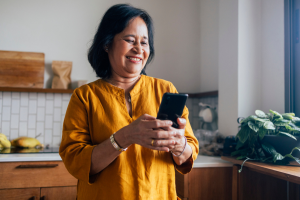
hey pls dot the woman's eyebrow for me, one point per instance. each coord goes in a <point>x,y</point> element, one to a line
<point>130,35</point>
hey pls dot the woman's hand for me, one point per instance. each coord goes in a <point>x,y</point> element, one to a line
<point>179,137</point>
<point>149,132</point>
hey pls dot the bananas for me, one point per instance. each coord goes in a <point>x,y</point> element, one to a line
<point>4,142</point>
<point>26,142</point>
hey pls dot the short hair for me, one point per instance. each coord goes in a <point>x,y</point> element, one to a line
<point>114,21</point>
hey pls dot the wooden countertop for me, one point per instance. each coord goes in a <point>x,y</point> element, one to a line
<point>288,173</point>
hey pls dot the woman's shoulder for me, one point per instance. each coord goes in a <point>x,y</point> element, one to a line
<point>87,88</point>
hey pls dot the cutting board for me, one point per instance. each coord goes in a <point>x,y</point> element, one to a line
<point>22,69</point>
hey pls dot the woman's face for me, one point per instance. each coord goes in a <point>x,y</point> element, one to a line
<point>130,50</point>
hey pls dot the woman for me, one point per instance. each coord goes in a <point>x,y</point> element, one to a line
<point>112,142</point>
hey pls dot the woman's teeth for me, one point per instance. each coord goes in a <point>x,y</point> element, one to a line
<point>135,59</point>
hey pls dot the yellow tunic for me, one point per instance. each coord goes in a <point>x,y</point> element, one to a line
<point>95,112</point>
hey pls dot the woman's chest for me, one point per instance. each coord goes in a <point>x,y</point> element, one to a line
<point>109,114</point>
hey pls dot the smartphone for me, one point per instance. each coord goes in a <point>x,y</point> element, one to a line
<point>171,107</point>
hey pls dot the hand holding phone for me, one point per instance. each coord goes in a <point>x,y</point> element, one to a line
<point>171,107</point>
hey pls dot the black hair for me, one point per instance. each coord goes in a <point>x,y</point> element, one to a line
<point>114,21</point>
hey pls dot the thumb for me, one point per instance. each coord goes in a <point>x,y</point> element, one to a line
<point>181,122</point>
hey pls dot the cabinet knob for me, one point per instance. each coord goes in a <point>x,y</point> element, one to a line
<point>38,166</point>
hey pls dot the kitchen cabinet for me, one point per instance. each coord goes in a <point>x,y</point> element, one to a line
<point>36,180</point>
<point>213,183</point>
<point>25,193</point>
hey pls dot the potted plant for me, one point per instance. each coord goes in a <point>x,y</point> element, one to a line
<point>271,137</point>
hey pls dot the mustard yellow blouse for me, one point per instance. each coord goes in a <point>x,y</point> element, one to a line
<point>95,112</point>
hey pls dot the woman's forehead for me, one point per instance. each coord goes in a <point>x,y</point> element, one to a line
<point>136,27</point>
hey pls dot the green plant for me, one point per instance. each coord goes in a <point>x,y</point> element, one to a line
<point>254,128</point>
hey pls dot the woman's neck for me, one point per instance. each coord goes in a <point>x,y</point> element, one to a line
<point>126,83</point>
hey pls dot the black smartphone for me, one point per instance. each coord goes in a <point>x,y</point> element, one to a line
<point>171,107</point>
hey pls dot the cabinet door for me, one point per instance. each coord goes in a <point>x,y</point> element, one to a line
<point>20,194</point>
<point>59,193</point>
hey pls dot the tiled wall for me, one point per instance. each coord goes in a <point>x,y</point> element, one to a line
<point>194,109</point>
<point>30,114</point>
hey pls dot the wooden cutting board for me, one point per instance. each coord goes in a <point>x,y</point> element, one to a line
<point>22,69</point>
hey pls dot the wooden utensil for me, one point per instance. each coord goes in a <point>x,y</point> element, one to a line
<point>22,69</point>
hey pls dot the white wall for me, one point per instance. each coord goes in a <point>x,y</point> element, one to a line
<point>209,45</point>
<point>273,55</point>
<point>251,59</point>
<point>228,66</point>
<point>63,30</point>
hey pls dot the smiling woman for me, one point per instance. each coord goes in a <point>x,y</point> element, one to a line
<point>112,142</point>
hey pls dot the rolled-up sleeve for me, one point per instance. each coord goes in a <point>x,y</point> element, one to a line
<point>191,140</point>
<point>76,147</point>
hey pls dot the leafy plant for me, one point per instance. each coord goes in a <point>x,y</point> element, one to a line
<point>254,128</point>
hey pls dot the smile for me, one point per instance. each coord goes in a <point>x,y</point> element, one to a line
<point>133,58</point>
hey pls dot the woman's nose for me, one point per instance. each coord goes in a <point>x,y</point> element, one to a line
<point>138,49</point>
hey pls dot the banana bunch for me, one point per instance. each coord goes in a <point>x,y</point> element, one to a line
<point>4,142</point>
<point>26,142</point>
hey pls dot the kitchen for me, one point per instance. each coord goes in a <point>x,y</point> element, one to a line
<point>207,34</point>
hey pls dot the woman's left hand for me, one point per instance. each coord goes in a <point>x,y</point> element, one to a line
<point>179,137</point>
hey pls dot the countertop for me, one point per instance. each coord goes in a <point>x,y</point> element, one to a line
<point>201,161</point>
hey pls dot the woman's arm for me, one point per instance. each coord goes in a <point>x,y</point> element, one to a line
<point>142,131</point>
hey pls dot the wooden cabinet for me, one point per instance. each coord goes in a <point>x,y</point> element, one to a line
<point>213,183</point>
<point>36,180</point>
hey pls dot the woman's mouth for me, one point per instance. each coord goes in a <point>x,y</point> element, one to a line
<point>133,59</point>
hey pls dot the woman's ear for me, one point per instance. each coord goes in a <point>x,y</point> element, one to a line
<point>106,48</point>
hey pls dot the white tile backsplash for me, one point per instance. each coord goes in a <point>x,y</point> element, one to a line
<point>32,121</point>
<point>57,114</point>
<point>6,113</point>
<point>15,106</point>
<point>15,95</point>
<point>24,98</point>
<point>32,106</point>
<point>41,99</point>
<point>41,114</point>
<point>30,114</point>
<point>56,129</point>
<point>14,121</point>
<point>6,98</point>
<point>49,96</point>
<point>23,113</point>
<point>5,128</point>
<point>23,129</point>
<point>31,133</point>
<point>49,106</point>
<point>49,121</point>
<point>32,95</point>
<point>57,100</point>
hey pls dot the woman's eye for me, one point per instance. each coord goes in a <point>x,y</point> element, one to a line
<point>144,43</point>
<point>130,41</point>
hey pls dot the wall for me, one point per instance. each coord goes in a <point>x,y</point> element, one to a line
<point>63,30</point>
<point>251,59</point>
<point>32,114</point>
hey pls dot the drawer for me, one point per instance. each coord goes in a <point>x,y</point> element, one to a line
<point>35,174</point>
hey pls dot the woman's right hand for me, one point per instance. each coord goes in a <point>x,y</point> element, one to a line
<point>148,132</point>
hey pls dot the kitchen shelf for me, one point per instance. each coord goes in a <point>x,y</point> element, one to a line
<point>39,90</point>
<point>204,94</point>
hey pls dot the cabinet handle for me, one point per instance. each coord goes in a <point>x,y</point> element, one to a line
<point>32,198</point>
<point>38,166</point>
<point>43,198</point>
